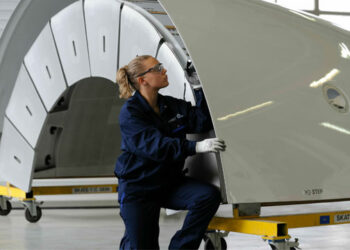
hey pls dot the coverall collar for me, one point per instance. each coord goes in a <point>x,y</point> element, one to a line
<point>161,102</point>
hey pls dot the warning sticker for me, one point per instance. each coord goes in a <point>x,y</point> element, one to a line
<point>84,190</point>
<point>313,192</point>
<point>340,218</point>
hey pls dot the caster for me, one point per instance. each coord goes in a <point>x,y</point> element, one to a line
<point>208,245</point>
<point>284,244</point>
<point>275,248</point>
<point>30,217</point>
<point>6,211</point>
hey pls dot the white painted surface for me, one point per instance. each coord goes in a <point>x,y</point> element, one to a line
<point>137,36</point>
<point>25,109</point>
<point>178,85</point>
<point>102,25</point>
<point>44,68</point>
<point>16,158</point>
<point>69,33</point>
<point>256,63</point>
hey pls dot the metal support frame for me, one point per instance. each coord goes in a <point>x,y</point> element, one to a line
<point>274,229</point>
<point>13,192</point>
<point>29,201</point>
<point>247,209</point>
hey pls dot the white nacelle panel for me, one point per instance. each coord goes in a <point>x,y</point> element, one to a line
<point>137,36</point>
<point>102,25</point>
<point>178,85</point>
<point>16,158</point>
<point>44,68</point>
<point>68,28</point>
<point>266,72</point>
<point>25,109</point>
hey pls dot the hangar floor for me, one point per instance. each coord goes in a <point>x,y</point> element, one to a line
<point>102,228</point>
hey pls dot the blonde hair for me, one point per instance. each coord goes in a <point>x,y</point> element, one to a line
<point>127,76</point>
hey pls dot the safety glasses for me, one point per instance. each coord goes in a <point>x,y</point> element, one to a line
<point>156,68</point>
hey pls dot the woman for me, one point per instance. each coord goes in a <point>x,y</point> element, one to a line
<point>154,146</point>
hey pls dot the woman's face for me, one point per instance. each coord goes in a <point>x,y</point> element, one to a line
<point>154,78</point>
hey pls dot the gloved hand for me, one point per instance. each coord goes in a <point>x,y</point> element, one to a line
<point>210,145</point>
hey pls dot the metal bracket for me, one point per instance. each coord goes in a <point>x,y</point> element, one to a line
<point>248,209</point>
<point>32,206</point>
<point>284,244</point>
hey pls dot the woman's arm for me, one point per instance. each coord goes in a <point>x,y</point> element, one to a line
<point>142,138</point>
<point>199,120</point>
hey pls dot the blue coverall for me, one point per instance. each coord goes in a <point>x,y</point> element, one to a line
<point>150,171</point>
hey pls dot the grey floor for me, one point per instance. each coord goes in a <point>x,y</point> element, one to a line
<point>102,228</point>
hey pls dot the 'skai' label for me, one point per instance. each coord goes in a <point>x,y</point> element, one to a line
<point>340,218</point>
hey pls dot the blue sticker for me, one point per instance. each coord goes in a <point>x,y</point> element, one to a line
<point>324,219</point>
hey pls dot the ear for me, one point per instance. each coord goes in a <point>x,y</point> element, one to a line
<point>141,81</point>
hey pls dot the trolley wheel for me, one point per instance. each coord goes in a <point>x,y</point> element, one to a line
<point>208,245</point>
<point>5,212</point>
<point>31,218</point>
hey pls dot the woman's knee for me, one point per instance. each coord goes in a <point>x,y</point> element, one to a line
<point>211,196</point>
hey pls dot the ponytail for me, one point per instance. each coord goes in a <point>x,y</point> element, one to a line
<point>125,86</point>
<point>127,76</point>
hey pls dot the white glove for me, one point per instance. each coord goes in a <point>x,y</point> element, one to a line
<point>210,145</point>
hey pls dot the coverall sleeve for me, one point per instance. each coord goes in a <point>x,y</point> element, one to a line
<point>199,120</point>
<point>144,139</point>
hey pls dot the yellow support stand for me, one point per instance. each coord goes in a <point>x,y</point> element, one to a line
<point>11,191</point>
<point>274,229</point>
<point>250,226</point>
<point>32,207</point>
